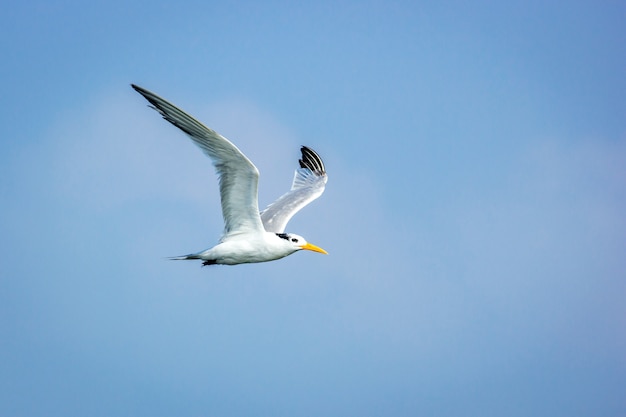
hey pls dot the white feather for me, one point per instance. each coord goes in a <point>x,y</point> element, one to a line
<point>248,236</point>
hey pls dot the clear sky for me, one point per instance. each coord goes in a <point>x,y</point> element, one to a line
<point>474,213</point>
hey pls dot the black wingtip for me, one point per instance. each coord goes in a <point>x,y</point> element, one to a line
<point>153,99</point>
<point>311,160</point>
<point>141,90</point>
<point>145,93</point>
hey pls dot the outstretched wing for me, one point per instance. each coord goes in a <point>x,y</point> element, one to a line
<point>308,184</point>
<point>238,177</point>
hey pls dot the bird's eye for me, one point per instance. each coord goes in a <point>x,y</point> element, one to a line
<point>294,240</point>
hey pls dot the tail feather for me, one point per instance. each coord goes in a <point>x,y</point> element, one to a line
<point>193,256</point>
<point>183,257</point>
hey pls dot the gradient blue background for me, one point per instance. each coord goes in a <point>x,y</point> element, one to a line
<point>474,214</point>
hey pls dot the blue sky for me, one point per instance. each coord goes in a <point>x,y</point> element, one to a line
<point>474,212</point>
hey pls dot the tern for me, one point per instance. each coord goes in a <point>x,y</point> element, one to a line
<point>249,236</point>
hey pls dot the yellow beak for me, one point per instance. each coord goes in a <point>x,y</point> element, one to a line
<point>314,248</point>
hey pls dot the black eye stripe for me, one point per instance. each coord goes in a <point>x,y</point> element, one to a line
<point>287,237</point>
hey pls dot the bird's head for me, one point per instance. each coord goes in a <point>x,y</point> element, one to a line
<point>299,243</point>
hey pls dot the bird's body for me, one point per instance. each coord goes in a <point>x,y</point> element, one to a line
<point>248,248</point>
<point>249,236</point>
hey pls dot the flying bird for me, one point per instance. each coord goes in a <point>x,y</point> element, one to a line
<point>249,235</point>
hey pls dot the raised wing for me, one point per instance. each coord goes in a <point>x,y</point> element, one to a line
<point>308,184</point>
<point>238,177</point>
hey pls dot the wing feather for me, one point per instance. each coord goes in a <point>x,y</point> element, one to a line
<point>308,184</point>
<point>238,177</point>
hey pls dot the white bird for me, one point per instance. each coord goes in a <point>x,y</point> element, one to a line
<point>249,236</point>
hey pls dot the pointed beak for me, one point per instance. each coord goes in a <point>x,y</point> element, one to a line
<point>314,248</point>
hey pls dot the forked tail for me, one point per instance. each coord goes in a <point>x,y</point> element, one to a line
<point>193,256</point>
<point>183,257</point>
